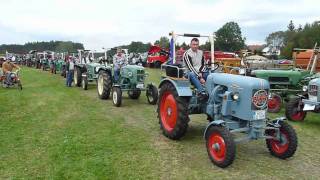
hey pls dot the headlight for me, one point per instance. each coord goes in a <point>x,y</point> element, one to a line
<point>305,88</point>
<point>129,74</point>
<point>97,69</point>
<point>235,96</point>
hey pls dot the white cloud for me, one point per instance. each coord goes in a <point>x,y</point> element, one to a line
<point>98,23</point>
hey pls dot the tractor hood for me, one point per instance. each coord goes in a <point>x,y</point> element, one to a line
<point>252,95</point>
<point>288,77</point>
<point>133,68</point>
<point>233,81</point>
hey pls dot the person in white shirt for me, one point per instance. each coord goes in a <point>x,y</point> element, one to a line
<point>119,61</point>
<point>194,61</point>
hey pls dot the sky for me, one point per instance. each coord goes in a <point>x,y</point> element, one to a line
<point>105,23</point>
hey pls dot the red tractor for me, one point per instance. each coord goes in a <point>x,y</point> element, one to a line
<point>157,56</point>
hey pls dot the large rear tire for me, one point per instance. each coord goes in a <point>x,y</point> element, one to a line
<point>294,110</point>
<point>172,112</point>
<point>220,146</point>
<point>287,145</point>
<point>104,85</point>
<point>157,64</point>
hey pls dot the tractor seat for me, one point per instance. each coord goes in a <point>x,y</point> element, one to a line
<point>174,71</point>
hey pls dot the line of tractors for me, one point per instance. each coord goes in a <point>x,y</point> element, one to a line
<point>239,97</point>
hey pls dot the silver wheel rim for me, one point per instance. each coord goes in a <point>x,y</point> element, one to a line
<point>114,97</point>
<point>83,84</point>
<point>100,85</point>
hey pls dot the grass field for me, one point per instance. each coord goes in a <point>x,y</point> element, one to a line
<point>49,131</point>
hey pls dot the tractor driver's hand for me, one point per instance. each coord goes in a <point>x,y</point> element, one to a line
<point>202,81</point>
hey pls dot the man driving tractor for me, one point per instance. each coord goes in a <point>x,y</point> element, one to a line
<point>119,60</point>
<point>7,68</point>
<point>194,61</point>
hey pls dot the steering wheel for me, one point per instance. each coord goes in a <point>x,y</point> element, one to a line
<point>215,66</point>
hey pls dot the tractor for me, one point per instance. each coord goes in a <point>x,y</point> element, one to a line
<point>131,79</point>
<point>287,82</point>
<point>90,68</point>
<point>309,101</point>
<point>236,104</point>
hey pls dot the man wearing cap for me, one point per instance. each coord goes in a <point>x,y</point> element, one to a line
<point>119,60</point>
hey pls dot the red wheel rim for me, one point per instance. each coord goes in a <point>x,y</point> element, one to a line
<point>217,147</point>
<point>298,116</point>
<point>274,102</point>
<point>282,145</point>
<point>168,111</point>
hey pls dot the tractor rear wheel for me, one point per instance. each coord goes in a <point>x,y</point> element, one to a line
<point>77,76</point>
<point>220,146</point>
<point>104,85</point>
<point>294,110</point>
<point>152,94</point>
<point>84,83</point>
<point>116,96</point>
<point>286,146</point>
<point>274,103</point>
<point>134,94</point>
<point>157,64</point>
<point>172,112</point>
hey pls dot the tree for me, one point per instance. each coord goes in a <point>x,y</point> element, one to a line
<point>163,42</point>
<point>229,38</point>
<point>304,37</point>
<point>291,26</point>
<point>276,38</point>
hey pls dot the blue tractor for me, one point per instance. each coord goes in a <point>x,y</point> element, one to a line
<point>235,105</point>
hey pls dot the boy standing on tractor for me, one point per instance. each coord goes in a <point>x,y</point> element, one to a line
<point>194,61</point>
<point>119,60</point>
<point>7,68</point>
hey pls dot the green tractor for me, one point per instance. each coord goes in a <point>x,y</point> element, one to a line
<point>285,83</point>
<point>308,101</point>
<point>88,68</point>
<point>131,79</point>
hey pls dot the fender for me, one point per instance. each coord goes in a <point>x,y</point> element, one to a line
<point>182,87</point>
<point>214,123</point>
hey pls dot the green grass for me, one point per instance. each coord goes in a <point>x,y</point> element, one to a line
<point>49,131</point>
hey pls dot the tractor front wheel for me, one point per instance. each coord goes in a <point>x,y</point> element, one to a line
<point>220,146</point>
<point>152,94</point>
<point>134,94</point>
<point>77,76</point>
<point>274,103</point>
<point>294,110</point>
<point>104,85</point>
<point>172,112</point>
<point>283,145</point>
<point>116,96</point>
<point>84,83</point>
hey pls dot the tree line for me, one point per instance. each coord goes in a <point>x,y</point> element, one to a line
<point>57,46</point>
<point>295,37</point>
